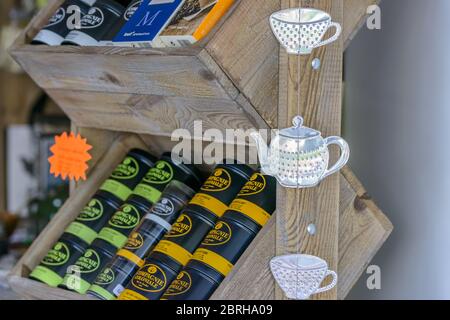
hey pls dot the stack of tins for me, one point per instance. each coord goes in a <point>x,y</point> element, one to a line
<point>224,245</point>
<point>114,235</point>
<point>82,232</point>
<point>175,250</point>
<point>118,272</point>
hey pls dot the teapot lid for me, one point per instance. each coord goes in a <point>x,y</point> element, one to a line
<point>298,131</point>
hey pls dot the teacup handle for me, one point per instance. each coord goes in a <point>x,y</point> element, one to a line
<point>331,285</point>
<point>345,155</point>
<point>333,38</point>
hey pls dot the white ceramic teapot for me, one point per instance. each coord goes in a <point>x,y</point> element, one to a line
<point>298,157</point>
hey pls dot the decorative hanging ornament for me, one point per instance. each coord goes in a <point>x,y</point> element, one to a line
<point>298,157</point>
<point>300,275</point>
<point>300,30</point>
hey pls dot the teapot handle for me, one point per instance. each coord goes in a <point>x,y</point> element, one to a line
<point>345,155</point>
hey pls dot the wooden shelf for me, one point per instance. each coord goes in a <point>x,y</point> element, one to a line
<point>229,80</point>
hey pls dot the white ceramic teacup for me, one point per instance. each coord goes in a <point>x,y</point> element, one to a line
<point>300,30</point>
<point>301,276</point>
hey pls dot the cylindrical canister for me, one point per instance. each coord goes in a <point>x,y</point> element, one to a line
<point>221,188</point>
<point>126,16</point>
<point>161,174</point>
<point>100,18</point>
<point>127,175</point>
<point>122,223</point>
<point>227,241</point>
<point>93,217</point>
<point>196,282</point>
<point>84,271</point>
<point>140,242</point>
<point>152,279</point>
<point>54,266</point>
<point>57,28</point>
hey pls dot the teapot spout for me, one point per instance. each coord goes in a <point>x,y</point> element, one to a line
<point>263,152</point>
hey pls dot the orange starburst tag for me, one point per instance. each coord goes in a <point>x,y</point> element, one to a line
<point>70,154</point>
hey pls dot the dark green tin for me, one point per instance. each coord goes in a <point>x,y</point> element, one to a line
<point>127,175</point>
<point>63,254</point>
<point>156,179</point>
<point>93,218</point>
<point>84,271</point>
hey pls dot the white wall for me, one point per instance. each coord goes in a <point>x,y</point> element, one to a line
<point>397,121</point>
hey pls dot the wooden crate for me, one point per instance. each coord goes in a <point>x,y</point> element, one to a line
<point>229,80</point>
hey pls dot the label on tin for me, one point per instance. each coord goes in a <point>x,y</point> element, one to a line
<point>127,217</point>
<point>116,188</point>
<point>47,276</point>
<point>128,169</point>
<point>57,17</point>
<point>164,207</point>
<point>220,235</point>
<point>181,227</point>
<point>255,185</point>
<point>93,211</point>
<point>93,19</point>
<point>131,257</point>
<point>209,202</point>
<point>128,294</point>
<point>173,250</point>
<point>89,262</point>
<point>220,180</point>
<point>58,255</point>
<point>102,292</point>
<point>214,260</point>
<point>81,231</point>
<point>251,210</point>
<point>150,278</point>
<point>113,237</point>
<point>132,9</point>
<point>105,277</point>
<point>180,285</point>
<point>135,241</point>
<point>161,173</point>
<point>147,192</point>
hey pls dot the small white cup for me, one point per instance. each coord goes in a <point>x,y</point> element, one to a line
<point>301,276</point>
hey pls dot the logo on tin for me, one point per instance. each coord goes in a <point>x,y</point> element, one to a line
<point>181,227</point>
<point>58,255</point>
<point>131,10</point>
<point>221,234</point>
<point>89,262</point>
<point>105,277</point>
<point>180,285</point>
<point>164,207</point>
<point>59,16</point>
<point>150,278</point>
<point>93,19</point>
<point>135,241</point>
<point>161,173</point>
<point>255,185</point>
<point>128,169</point>
<point>92,212</point>
<point>127,217</point>
<point>220,180</point>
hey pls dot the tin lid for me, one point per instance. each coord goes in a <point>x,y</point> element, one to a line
<point>201,213</point>
<point>234,165</point>
<point>205,271</point>
<point>104,247</point>
<point>88,2</point>
<point>111,201</point>
<point>196,181</point>
<point>242,221</point>
<point>161,258</point>
<point>112,5</point>
<point>143,156</point>
<point>78,243</point>
<point>179,190</point>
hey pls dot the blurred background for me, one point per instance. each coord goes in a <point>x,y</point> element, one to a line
<point>29,195</point>
<point>396,119</point>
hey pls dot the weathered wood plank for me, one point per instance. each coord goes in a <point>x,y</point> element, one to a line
<point>363,228</point>
<point>320,105</point>
<point>148,114</point>
<point>355,13</point>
